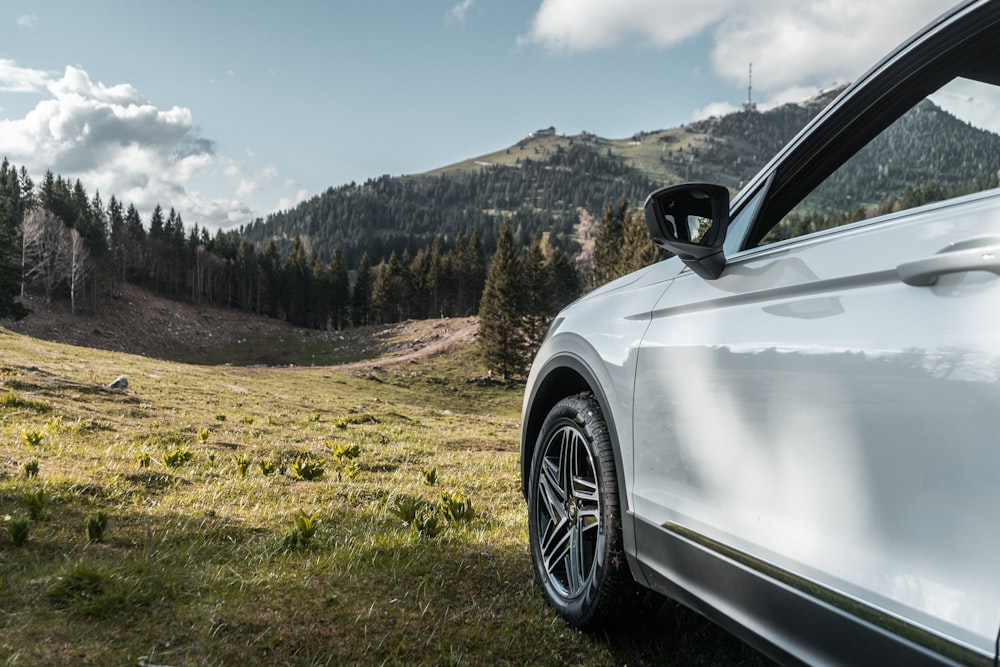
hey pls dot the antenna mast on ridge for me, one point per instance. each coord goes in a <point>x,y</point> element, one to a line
<point>750,105</point>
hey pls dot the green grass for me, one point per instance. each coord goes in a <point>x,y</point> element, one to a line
<point>206,560</point>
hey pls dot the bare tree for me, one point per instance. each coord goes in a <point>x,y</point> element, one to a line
<point>43,250</point>
<point>79,266</point>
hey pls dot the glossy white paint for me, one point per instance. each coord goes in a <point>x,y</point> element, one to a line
<point>812,410</point>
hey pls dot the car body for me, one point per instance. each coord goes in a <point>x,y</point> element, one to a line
<point>795,433</point>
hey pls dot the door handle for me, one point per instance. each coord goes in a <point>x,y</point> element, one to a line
<point>955,259</point>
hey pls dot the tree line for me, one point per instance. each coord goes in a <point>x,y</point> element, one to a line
<point>57,243</point>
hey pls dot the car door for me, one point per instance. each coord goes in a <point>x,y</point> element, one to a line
<point>830,408</point>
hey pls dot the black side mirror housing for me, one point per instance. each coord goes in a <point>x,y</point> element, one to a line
<point>690,220</point>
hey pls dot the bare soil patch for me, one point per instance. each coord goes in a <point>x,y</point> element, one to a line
<point>140,322</point>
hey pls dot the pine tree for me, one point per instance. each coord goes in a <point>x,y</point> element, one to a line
<point>538,295</point>
<point>501,340</point>
<point>361,295</point>
<point>11,217</point>
<point>608,245</point>
<point>298,280</point>
<point>340,290</point>
<point>638,249</point>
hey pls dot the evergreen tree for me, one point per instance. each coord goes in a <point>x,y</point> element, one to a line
<point>11,218</point>
<point>501,340</point>
<point>537,295</point>
<point>564,278</point>
<point>381,303</point>
<point>638,249</point>
<point>270,266</point>
<point>361,295</point>
<point>606,262</point>
<point>319,295</point>
<point>298,282</point>
<point>340,291</point>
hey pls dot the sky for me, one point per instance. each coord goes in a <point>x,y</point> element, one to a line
<point>228,111</point>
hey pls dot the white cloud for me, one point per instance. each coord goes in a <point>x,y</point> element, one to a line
<point>286,203</point>
<point>27,21</point>
<point>115,141</point>
<point>791,43</point>
<point>459,11</point>
<point>14,79</point>
<point>714,109</point>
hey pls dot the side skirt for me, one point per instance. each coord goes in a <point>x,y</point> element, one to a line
<point>789,618</point>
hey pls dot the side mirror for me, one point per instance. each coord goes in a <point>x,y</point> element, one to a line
<point>690,220</point>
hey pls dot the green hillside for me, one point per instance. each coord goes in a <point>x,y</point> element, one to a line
<point>543,182</point>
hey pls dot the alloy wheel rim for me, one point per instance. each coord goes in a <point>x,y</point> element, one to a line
<point>568,512</point>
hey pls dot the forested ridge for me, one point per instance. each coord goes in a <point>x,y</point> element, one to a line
<point>563,210</point>
<point>389,214</point>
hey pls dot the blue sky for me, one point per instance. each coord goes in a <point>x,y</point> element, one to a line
<point>228,111</point>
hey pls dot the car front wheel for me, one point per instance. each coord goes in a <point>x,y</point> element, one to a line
<point>574,518</point>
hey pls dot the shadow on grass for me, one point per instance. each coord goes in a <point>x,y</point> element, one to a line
<point>671,634</point>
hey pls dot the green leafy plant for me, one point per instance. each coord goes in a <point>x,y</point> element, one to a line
<point>430,476</point>
<point>242,462</point>
<point>456,508</point>
<point>407,508</point>
<point>350,470</point>
<point>36,503</point>
<point>54,424</point>
<point>266,467</point>
<point>177,458</point>
<point>248,419</point>
<point>203,435</point>
<point>31,469</point>
<point>427,526</point>
<point>344,451</point>
<point>306,525</point>
<point>96,524</point>
<point>32,438</point>
<point>18,530</point>
<point>307,469</point>
<point>144,460</point>
<point>343,422</point>
<point>220,417</point>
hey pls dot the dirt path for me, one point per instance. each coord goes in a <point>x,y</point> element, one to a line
<point>416,343</point>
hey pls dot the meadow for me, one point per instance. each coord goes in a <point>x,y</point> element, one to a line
<point>301,515</point>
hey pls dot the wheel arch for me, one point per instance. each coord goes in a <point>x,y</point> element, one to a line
<point>563,376</point>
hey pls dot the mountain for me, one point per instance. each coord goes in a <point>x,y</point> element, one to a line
<point>542,182</point>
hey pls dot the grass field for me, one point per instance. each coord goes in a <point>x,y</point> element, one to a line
<point>219,515</point>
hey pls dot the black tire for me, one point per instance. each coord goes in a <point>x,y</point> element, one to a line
<point>574,517</point>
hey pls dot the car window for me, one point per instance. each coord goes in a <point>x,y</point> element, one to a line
<point>946,145</point>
